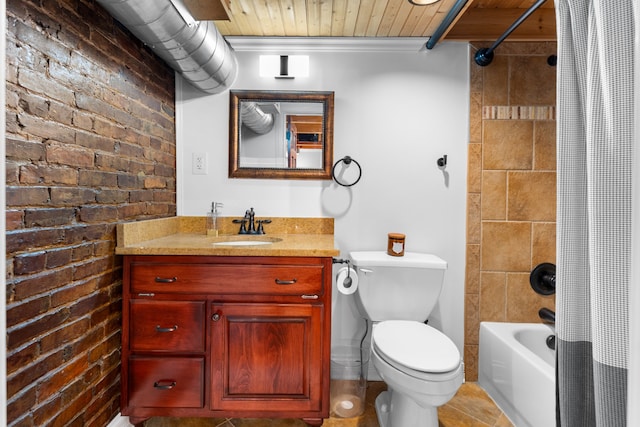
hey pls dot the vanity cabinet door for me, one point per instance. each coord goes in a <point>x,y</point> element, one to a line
<point>266,357</point>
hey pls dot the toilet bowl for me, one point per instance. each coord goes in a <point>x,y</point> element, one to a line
<point>421,366</point>
<point>422,369</point>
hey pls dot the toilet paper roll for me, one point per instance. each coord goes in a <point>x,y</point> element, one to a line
<point>345,288</point>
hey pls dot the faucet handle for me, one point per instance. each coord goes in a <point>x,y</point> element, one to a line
<point>260,227</point>
<point>243,225</point>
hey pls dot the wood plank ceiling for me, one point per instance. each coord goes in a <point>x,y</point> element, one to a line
<point>480,20</point>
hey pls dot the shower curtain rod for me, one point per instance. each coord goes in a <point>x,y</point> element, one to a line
<point>453,13</point>
<point>484,56</point>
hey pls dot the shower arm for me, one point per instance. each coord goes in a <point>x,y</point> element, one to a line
<point>484,56</point>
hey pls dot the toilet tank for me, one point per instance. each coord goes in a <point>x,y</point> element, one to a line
<point>397,288</point>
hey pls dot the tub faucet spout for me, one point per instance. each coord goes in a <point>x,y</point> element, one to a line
<point>547,315</point>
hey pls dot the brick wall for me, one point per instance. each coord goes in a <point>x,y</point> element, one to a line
<point>90,142</point>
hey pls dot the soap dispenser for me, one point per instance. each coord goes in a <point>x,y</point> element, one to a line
<point>212,218</point>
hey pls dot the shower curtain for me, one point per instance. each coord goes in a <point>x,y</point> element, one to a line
<point>595,143</point>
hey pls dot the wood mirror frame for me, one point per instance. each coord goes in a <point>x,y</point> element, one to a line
<point>239,96</point>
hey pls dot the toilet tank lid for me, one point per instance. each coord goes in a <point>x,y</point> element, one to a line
<point>410,259</point>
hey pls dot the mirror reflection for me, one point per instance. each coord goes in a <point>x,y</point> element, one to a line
<point>281,134</point>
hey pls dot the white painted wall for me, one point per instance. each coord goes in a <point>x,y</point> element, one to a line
<point>397,110</point>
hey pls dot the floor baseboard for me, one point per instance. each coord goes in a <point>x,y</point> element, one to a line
<point>120,421</point>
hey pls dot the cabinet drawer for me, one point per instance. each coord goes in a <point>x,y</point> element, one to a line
<point>167,326</point>
<point>227,279</point>
<point>166,382</point>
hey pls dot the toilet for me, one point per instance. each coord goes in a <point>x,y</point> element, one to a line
<point>421,366</point>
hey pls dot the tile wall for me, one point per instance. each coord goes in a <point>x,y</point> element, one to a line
<point>511,207</point>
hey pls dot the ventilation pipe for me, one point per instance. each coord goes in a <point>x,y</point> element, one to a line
<point>195,49</point>
<point>255,118</point>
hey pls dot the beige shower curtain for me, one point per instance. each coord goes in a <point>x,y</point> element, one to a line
<point>596,122</point>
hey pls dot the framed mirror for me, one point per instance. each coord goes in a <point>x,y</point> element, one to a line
<point>280,134</point>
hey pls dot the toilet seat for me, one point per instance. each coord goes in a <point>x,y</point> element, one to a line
<point>416,349</point>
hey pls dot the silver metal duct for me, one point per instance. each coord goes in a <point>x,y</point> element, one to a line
<point>195,49</point>
<point>253,117</point>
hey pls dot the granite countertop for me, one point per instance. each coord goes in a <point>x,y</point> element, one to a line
<point>185,235</point>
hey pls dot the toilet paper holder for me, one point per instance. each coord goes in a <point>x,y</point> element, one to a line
<point>348,281</point>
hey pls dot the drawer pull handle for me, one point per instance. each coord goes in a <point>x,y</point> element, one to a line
<point>310,297</point>
<point>286,282</point>
<point>166,279</point>
<point>146,294</point>
<point>170,329</point>
<point>164,384</point>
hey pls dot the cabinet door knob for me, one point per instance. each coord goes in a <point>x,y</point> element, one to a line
<point>215,317</point>
<point>286,282</point>
<point>169,329</point>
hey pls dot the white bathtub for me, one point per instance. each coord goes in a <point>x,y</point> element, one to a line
<point>517,369</point>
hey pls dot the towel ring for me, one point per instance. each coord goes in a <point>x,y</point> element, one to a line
<point>347,161</point>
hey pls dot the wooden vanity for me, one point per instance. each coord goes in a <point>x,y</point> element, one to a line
<point>225,331</point>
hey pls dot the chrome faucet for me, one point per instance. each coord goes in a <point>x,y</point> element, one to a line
<point>249,217</point>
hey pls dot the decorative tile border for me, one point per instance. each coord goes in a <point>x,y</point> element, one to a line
<point>518,112</point>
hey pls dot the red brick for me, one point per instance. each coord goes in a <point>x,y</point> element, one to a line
<point>112,162</point>
<point>33,239</point>
<point>67,333</point>
<point>72,196</point>
<point>112,196</point>
<point>37,174</point>
<point>83,120</point>
<point>95,141</point>
<point>59,257</point>
<point>12,173</point>
<point>38,83</point>
<point>44,411</point>
<point>23,357</point>
<point>97,178</point>
<point>24,150</point>
<point>42,283</point>
<point>82,251</point>
<point>32,372</point>
<point>27,196</point>
<point>153,182</point>
<point>14,219</point>
<point>46,129</point>
<point>98,213</point>
<point>48,217</point>
<point>66,154</point>
<point>87,232</point>
<point>22,406</point>
<point>33,262</point>
<point>68,295</point>
<point>92,267</point>
<point>19,313</point>
<point>35,328</point>
<point>132,210</point>
<point>34,104</point>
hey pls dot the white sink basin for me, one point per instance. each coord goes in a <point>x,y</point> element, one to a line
<point>243,243</point>
<point>247,241</point>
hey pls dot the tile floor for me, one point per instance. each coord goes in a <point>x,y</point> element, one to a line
<point>470,407</point>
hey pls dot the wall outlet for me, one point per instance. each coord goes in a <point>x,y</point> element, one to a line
<point>199,164</point>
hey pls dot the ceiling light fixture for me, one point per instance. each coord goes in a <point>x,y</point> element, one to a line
<point>422,2</point>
